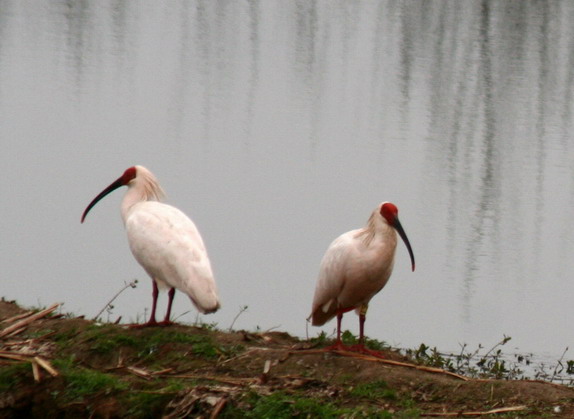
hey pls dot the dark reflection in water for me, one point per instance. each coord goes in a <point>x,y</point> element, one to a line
<point>254,63</point>
<point>486,214</point>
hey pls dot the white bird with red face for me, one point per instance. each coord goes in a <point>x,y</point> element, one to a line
<point>165,242</point>
<point>355,267</point>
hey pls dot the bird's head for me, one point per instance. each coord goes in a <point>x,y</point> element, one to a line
<point>390,214</point>
<point>139,175</point>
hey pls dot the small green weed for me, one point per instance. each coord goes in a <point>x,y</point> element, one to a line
<point>491,364</point>
<point>373,391</point>
<point>376,345</point>
<point>82,382</point>
<point>349,338</point>
<point>320,339</point>
<point>431,357</point>
<point>231,350</point>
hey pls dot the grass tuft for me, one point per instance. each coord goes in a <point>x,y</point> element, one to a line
<point>83,382</point>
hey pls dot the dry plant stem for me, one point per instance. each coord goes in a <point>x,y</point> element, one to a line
<point>46,365</point>
<point>26,321</point>
<point>139,372</point>
<point>246,354</point>
<point>385,361</point>
<point>241,311</point>
<point>128,285</point>
<point>14,356</point>
<point>16,332</point>
<point>483,413</point>
<point>17,317</point>
<point>558,364</point>
<point>218,408</point>
<point>504,341</point>
<point>36,372</point>
<point>226,380</point>
<point>35,361</point>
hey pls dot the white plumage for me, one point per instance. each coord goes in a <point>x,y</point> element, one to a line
<point>164,241</point>
<point>355,267</point>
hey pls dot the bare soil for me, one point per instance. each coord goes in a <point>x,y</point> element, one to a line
<point>64,367</point>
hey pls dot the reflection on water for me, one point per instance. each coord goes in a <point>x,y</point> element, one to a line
<point>279,125</point>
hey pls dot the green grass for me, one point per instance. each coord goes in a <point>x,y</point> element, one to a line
<point>11,375</point>
<point>349,338</point>
<point>201,344</point>
<point>283,405</point>
<point>374,391</point>
<point>82,382</point>
<point>106,339</point>
<point>63,339</point>
<point>150,404</point>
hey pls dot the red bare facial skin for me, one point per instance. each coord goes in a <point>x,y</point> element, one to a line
<point>129,175</point>
<point>390,212</point>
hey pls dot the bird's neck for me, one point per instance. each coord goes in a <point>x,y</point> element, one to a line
<point>132,197</point>
<point>144,188</point>
<point>376,228</point>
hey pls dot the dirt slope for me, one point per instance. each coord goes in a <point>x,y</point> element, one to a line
<point>61,367</point>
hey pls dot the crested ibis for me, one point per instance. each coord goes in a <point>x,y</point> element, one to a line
<point>355,267</point>
<point>164,241</point>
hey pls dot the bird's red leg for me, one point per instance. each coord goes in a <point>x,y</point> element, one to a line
<point>339,320</point>
<point>166,321</point>
<point>360,347</point>
<point>362,318</point>
<point>152,321</point>
<point>338,345</point>
<point>154,294</point>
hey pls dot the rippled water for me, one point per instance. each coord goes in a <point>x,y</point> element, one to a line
<point>278,125</point>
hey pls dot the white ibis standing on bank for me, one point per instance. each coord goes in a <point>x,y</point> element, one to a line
<point>164,241</point>
<point>355,267</point>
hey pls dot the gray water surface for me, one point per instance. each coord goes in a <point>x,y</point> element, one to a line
<point>277,126</point>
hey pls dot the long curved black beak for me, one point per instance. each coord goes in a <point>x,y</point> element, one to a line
<point>397,225</point>
<point>117,183</point>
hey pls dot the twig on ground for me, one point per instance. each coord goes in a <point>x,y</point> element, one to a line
<point>46,365</point>
<point>477,413</point>
<point>226,380</point>
<point>35,361</point>
<point>385,361</point>
<point>17,317</point>
<point>218,408</point>
<point>26,321</point>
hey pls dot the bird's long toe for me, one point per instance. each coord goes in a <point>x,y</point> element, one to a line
<point>362,349</point>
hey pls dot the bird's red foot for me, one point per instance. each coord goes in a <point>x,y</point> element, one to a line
<point>150,324</point>
<point>142,325</point>
<point>360,348</point>
<point>337,346</point>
